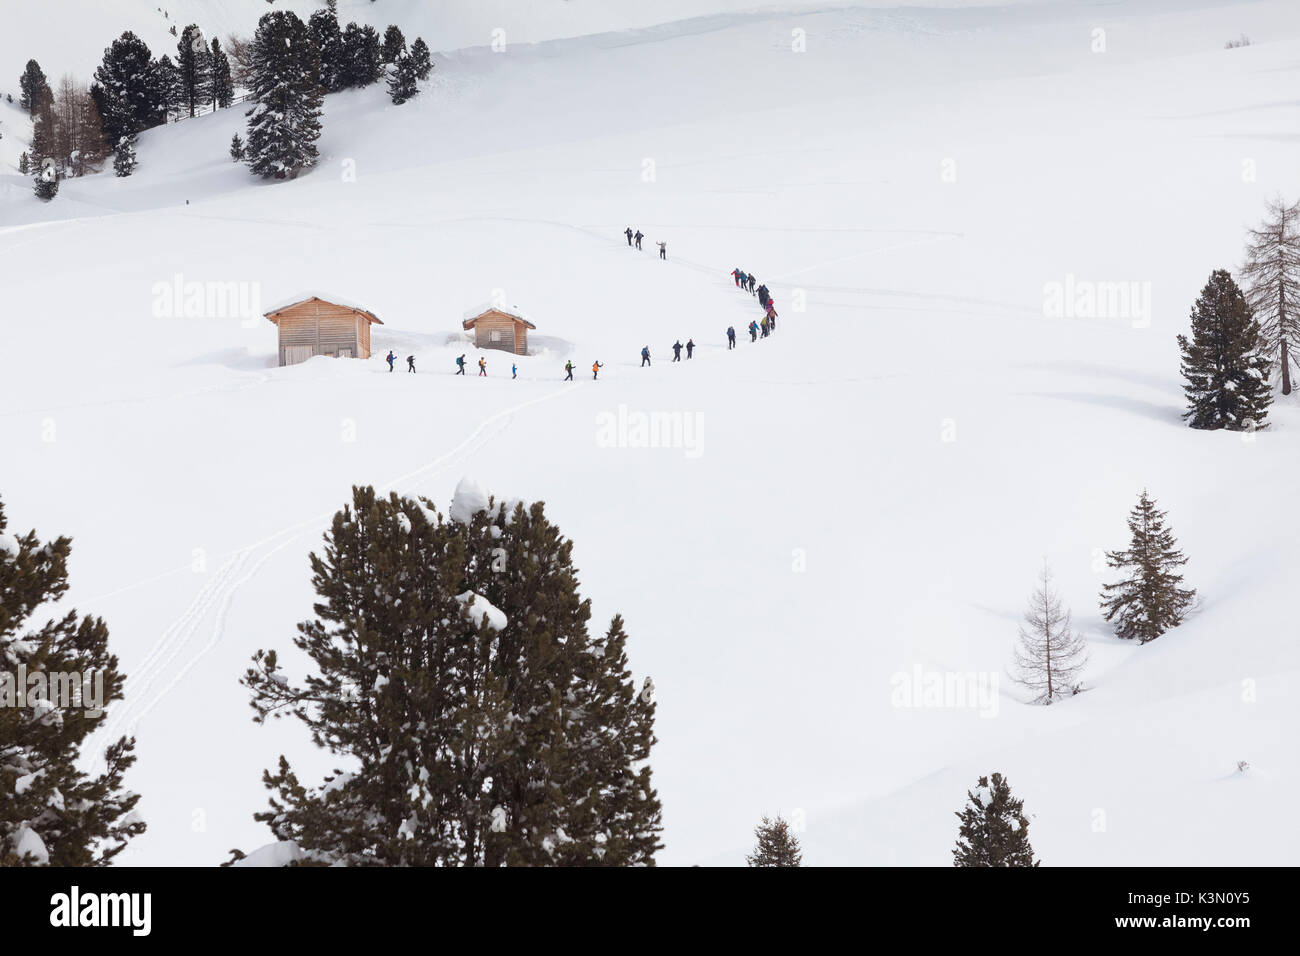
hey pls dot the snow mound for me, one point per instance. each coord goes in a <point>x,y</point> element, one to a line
<point>497,619</point>
<point>468,500</point>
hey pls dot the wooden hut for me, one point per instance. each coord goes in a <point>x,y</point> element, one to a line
<point>315,326</point>
<point>497,327</point>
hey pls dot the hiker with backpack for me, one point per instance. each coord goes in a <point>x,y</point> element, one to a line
<point>568,371</point>
<point>731,337</point>
<point>628,233</point>
<point>391,359</point>
<point>677,351</point>
<point>639,236</point>
<point>753,331</point>
<point>460,365</point>
<point>482,367</point>
<point>410,363</point>
<point>735,274</point>
<point>645,356</point>
<point>663,250</point>
<point>690,347</point>
<point>595,370</point>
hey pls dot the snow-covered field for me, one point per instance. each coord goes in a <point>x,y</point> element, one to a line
<point>864,498</point>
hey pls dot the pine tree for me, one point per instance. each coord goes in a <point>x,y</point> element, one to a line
<point>33,87</point>
<point>284,123</point>
<point>401,81</point>
<point>361,56</point>
<point>1225,362</point>
<point>420,59</point>
<point>597,746</point>
<point>777,846</point>
<point>194,68</point>
<point>532,743</point>
<point>393,45</point>
<point>46,137</point>
<point>1049,654</point>
<point>236,148</point>
<point>124,158</point>
<point>24,163</point>
<point>1148,601</point>
<point>168,90</point>
<point>994,830</point>
<point>46,180</point>
<point>1272,274</point>
<point>50,812</point>
<point>126,89</point>
<point>222,87</point>
<point>325,33</point>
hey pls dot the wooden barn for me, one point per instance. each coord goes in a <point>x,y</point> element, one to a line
<point>315,326</point>
<point>497,327</point>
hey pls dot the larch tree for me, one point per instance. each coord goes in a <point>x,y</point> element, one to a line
<point>1149,600</point>
<point>1050,654</point>
<point>1272,277</point>
<point>994,830</point>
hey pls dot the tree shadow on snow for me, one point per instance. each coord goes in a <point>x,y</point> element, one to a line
<point>1165,414</point>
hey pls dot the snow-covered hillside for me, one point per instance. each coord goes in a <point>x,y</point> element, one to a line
<point>867,493</point>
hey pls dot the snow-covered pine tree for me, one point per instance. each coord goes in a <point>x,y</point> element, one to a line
<point>994,830</point>
<point>194,68</point>
<point>24,163</point>
<point>325,33</point>
<point>50,812</point>
<point>393,45</point>
<point>45,180</point>
<point>1225,361</point>
<point>33,87</point>
<point>1272,275</point>
<point>403,688</point>
<point>168,90</point>
<point>222,88</point>
<point>420,59</point>
<point>284,123</point>
<point>577,721</point>
<point>236,148</point>
<point>401,80</point>
<point>776,846</point>
<point>532,742</point>
<point>127,89</point>
<point>1148,601</point>
<point>124,157</point>
<point>1050,654</point>
<point>361,56</point>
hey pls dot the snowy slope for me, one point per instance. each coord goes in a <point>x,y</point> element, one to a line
<point>818,537</point>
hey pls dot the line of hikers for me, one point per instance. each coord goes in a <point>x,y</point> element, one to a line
<point>767,326</point>
<point>634,239</point>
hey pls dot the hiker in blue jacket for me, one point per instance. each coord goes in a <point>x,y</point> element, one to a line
<point>731,337</point>
<point>645,356</point>
<point>391,359</point>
